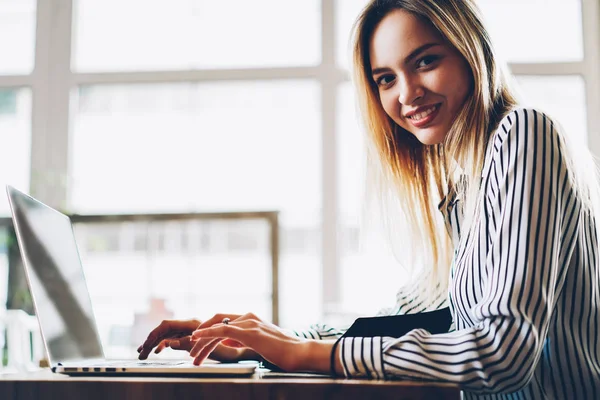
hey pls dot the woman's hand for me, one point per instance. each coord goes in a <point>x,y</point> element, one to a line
<point>290,353</point>
<point>176,334</point>
<point>164,333</point>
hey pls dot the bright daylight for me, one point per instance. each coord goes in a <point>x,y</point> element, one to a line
<point>264,173</point>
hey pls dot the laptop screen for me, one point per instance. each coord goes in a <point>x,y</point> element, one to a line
<point>56,279</point>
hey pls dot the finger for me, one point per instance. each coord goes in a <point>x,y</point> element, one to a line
<point>161,346</point>
<point>183,343</point>
<point>166,329</point>
<point>198,345</point>
<point>217,319</point>
<point>265,339</point>
<point>154,337</point>
<point>219,330</point>
<point>233,330</point>
<point>201,344</point>
<point>205,352</point>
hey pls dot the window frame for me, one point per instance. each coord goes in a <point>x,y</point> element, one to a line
<point>51,113</point>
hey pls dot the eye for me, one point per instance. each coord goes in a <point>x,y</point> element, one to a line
<point>426,61</point>
<point>384,80</point>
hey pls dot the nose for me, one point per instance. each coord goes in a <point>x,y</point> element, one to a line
<point>410,90</point>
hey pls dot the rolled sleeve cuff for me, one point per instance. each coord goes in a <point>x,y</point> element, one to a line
<point>362,357</point>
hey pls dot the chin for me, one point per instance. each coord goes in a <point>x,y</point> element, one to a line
<point>430,138</point>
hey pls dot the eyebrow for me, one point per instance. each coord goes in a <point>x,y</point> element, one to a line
<point>412,55</point>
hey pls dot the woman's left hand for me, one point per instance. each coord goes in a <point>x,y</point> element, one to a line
<point>290,353</point>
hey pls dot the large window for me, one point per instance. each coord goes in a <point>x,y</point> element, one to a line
<point>203,105</point>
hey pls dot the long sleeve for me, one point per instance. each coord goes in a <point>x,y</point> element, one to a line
<point>507,273</point>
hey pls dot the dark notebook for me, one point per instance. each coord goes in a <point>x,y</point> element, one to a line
<point>437,321</point>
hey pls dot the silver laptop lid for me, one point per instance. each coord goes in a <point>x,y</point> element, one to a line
<point>56,279</point>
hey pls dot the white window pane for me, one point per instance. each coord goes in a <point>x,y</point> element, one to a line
<point>15,136</point>
<point>562,97</point>
<point>187,34</point>
<point>346,12</point>
<point>351,155</point>
<point>207,147</point>
<point>535,30</point>
<point>17,36</point>
<point>226,145</point>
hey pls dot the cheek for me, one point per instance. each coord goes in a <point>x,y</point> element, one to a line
<point>461,88</point>
<point>390,104</point>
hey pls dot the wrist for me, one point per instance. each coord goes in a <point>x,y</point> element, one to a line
<point>316,357</point>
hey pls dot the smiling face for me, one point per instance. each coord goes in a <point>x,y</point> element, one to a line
<point>423,81</point>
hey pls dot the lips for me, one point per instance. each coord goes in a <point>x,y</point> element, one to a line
<point>423,115</point>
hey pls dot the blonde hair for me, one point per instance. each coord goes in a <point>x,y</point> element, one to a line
<point>412,178</point>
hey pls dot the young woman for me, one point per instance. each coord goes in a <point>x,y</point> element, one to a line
<point>514,241</point>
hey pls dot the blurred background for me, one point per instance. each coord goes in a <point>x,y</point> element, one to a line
<point>205,107</point>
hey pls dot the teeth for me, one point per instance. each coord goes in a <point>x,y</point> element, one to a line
<point>421,115</point>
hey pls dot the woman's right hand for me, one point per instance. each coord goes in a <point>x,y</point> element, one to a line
<point>176,334</point>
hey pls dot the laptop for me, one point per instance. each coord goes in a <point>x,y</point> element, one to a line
<point>63,306</point>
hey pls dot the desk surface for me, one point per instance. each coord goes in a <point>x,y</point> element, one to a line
<point>45,384</point>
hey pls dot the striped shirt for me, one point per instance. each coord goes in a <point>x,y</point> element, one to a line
<point>524,289</point>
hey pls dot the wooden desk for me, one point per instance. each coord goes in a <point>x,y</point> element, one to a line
<point>46,385</point>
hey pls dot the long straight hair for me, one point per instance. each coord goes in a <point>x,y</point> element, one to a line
<point>411,178</point>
